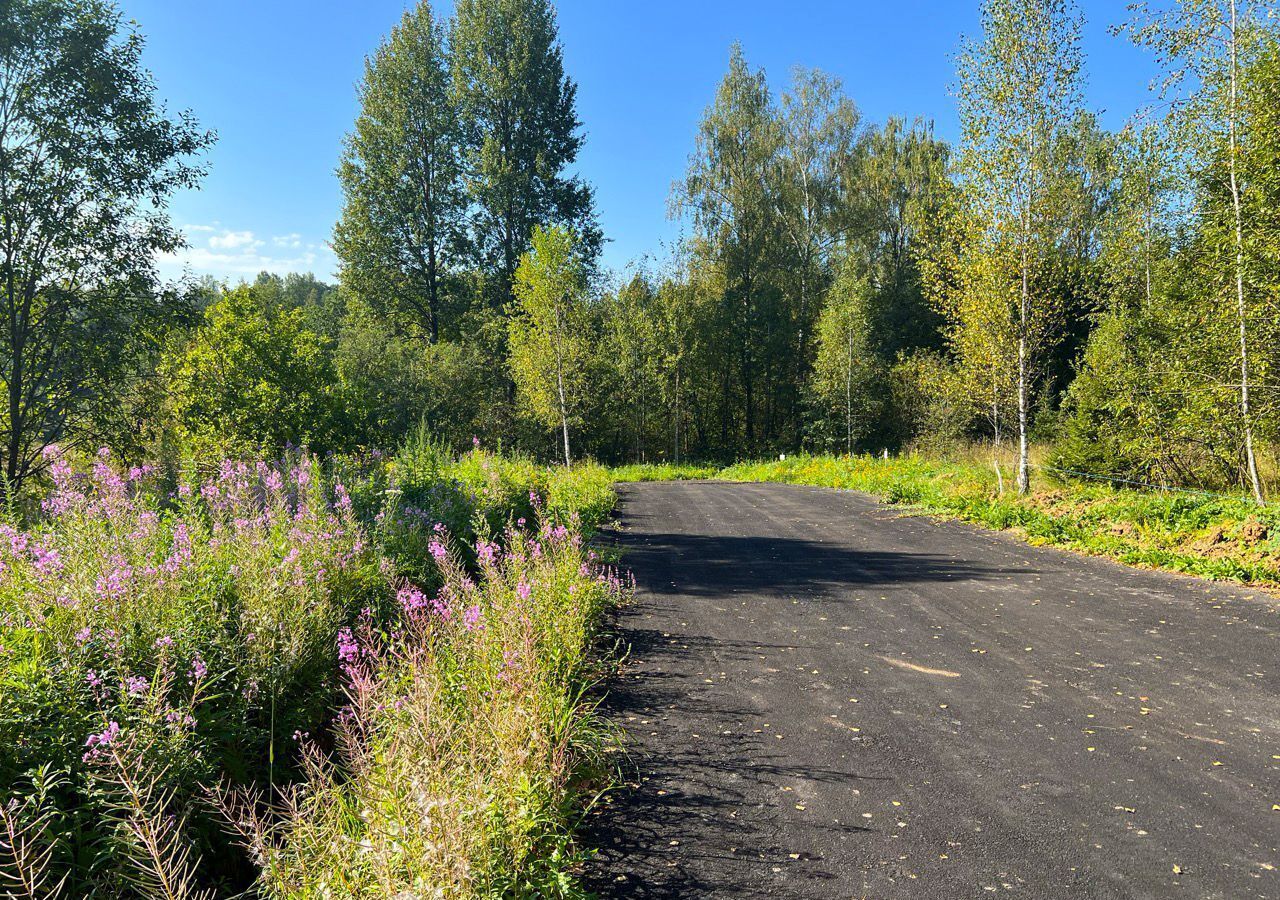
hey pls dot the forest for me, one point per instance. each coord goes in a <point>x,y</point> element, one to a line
<point>1104,297</point>
<point>269,546</point>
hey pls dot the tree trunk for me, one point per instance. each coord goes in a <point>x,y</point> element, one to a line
<point>564,418</point>
<point>1024,467</point>
<point>995,432</point>
<point>560,394</point>
<point>848,397</point>
<point>1241,308</point>
<point>677,422</point>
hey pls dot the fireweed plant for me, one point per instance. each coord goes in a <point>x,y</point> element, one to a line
<point>250,631</point>
<point>466,744</point>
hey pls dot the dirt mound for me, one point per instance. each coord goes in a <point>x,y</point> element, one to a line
<point>1210,541</point>
<point>1123,529</point>
<point>1253,531</point>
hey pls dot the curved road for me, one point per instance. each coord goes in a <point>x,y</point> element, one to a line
<point>827,699</point>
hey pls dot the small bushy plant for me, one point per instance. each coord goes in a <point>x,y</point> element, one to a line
<point>166,639</point>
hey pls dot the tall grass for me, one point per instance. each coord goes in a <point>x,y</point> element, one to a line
<point>466,744</point>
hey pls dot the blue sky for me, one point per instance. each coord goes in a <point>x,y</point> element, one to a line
<point>276,79</point>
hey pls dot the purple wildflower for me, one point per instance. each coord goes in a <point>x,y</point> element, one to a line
<point>98,741</point>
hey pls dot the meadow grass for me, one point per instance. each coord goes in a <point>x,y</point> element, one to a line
<point>1211,535</point>
<point>662,472</point>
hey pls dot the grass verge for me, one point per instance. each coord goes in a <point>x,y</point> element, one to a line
<point>1214,536</point>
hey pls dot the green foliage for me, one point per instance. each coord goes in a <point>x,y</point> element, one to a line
<point>731,194</point>
<point>520,132</point>
<point>1019,96</point>
<point>191,638</point>
<point>254,376</point>
<point>930,401</point>
<point>391,382</point>
<point>638,472</point>
<point>402,235</point>
<point>160,643</point>
<point>88,161</point>
<point>465,750</point>
<point>847,385</point>
<point>547,335</point>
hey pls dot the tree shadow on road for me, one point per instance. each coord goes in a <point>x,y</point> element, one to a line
<point>703,565</point>
<point>708,791</point>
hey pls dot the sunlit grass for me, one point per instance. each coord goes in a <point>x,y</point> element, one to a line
<point>1226,537</point>
<point>378,664</point>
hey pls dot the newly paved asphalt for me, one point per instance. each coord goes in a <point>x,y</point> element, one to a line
<point>825,698</point>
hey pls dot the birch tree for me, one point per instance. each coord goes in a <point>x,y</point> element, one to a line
<point>1205,47</point>
<point>820,129</point>
<point>844,387</point>
<point>1019,88</point>
<point>549,342</point>
<point>1136,232</point>
<point>730,192</point>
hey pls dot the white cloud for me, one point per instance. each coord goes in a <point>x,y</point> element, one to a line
<point>231,255</point>
<point>233,240</point>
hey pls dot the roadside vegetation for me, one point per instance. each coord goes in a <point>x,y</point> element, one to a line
<point>1214,535</point>
<point>347,678</point>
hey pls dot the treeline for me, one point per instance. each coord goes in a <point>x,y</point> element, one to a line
<point>841,285</point>
<point>1111,295</point>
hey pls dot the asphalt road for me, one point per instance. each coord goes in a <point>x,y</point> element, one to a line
<point>825,698</point>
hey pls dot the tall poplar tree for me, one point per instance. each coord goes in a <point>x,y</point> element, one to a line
<point>401,235</point>
<point>520,132</point>
<point>1018,91</point>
